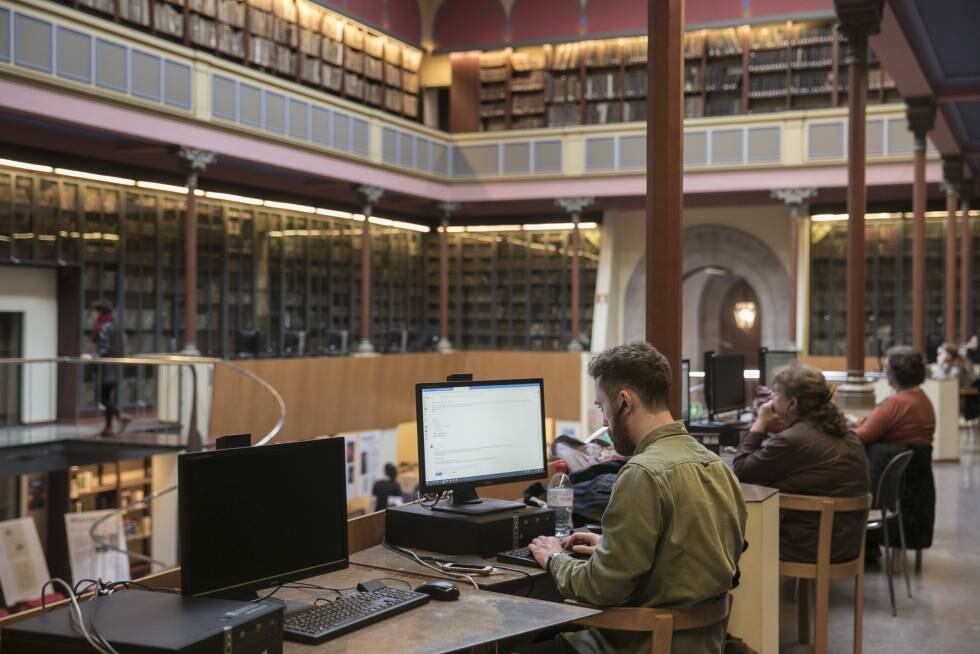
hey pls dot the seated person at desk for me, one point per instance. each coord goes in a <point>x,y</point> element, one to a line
<point>972,351</point>
<point>385,488</point>
<point>815,454</point>
<point>673,530</point>
<point>950,365</point>
<point>906,420</point>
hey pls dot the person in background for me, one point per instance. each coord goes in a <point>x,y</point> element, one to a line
<point>673,531</point>
<point>385,488</point>
<point>814,454</point>
<point>108,340</point>
<point>972,352</point>
<point>906,420</point>
<point>950,365</point>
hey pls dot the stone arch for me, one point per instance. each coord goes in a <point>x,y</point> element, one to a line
<point>733,253</point>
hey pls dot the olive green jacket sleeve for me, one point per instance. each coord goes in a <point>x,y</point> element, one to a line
<point>628,548</point>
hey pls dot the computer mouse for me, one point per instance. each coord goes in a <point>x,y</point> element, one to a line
<point>438,589</point>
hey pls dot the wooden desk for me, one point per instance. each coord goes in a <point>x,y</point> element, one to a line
<point>477,618</point>
<point>755,614</point>
<point>384,559</point>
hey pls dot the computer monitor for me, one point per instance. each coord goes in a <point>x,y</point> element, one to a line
<point>477,433</point>
<point>255,517</point>
<point>772,360</point>
<point>725,375</point>
<point>685,391</point>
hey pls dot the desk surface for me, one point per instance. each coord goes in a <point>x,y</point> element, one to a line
<point>384,559</point>
<point>477,618</point>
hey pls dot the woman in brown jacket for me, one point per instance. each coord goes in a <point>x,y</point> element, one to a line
<point>816,454</point>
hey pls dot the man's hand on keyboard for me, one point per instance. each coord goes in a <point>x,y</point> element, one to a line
<point>581,542</point>
<point>542,547</point>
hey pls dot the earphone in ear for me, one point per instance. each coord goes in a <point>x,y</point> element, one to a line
<point>622,407</point>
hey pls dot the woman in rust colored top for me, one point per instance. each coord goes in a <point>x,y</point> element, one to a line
<point>906,420</point>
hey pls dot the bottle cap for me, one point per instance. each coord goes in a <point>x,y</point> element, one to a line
<point>561,466</point>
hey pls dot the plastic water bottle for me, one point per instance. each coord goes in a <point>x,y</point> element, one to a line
<point>560,497</point>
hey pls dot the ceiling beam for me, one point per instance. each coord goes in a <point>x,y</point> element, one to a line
<point>961,95</point>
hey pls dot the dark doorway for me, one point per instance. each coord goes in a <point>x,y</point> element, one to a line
<point>11,347</point>
<point>741,323</point>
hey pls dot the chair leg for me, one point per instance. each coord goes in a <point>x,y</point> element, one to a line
<point>821,609</point>
<point>888,568</point>
<point>858,610</point>
<point>803,617</point>
<point>905,562</point>
<point>663,634</point>
<point>918,561</point>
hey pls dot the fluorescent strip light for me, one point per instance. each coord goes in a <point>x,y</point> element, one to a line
<point>347,215</point>
<point>696,374</point>
<point>47,238</point>
<point>588,225</point>
<point>828,217</point>
<point>424,229</point>
<point>289,206</point>
<point>547,227</point>
<point>493,228</point>
<point>25,166</point>
<point>375,220</point>
<point>358,217</point>
<point>198,193</point>
<point>233,198</point>
<point>455,229</point>
<point>122,181</point>
<point>156,186</point>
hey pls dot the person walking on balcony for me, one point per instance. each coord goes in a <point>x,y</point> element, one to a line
<point>108,342</point>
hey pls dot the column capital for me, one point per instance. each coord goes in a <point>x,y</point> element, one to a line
<point>574,206</point>
<point>449,208</point>
<point>195,161</point>
<point>795,198</point>
<point>921,114</point>
<point>370,194</point>
<point>859,18</point>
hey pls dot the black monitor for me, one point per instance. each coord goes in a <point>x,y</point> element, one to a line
<point>772,360</point>
<point>725,376</point>
<point>249,343</point>
<point>685,391</point>
<point>255,517</point>
<point>477,433</point>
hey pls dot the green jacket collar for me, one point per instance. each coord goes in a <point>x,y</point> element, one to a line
<point>675,428</point>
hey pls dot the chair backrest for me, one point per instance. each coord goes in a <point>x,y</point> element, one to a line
<point>890,483</point>
<point>826,507</point>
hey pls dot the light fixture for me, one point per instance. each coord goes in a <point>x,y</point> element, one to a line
<point>745,315</point>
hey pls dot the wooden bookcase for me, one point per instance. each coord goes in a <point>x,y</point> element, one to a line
<point>115,485</point>
<point>294,39</point>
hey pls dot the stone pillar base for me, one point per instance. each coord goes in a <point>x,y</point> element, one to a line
<point>190,350</point>
<point>365,349</point>
<point>575,346</point>
<point>444,346</point>
<point>856,393</point>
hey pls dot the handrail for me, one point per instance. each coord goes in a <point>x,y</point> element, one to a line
<point>156,360</point>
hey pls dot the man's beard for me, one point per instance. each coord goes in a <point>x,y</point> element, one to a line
<point>621,442</point>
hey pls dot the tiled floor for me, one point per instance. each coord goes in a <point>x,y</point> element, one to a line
<point>944,613</point>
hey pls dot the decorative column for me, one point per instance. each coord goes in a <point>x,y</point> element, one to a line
<point>575,206</point>
<point>858,20</point>
<point>447,209</point>
<point>797,200</point>
<point>665,181</point>
<point>966,246</point>
<point>921,113</point>
<point>952,178</point>
<point>370,196</point>
<point>194,161</point>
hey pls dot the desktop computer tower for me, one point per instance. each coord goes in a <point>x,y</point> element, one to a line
<point>415,526</point>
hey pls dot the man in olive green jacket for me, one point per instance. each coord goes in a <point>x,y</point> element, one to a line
<point>673,531</point>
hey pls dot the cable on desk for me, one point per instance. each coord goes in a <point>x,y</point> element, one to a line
<point>76,616</point>
<point>432,503</point>
<point>401,581</point>
<point>412,555</point>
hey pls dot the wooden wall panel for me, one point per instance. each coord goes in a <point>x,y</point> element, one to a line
<point>332,395</point>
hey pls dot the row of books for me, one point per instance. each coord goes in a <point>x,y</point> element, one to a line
<point>721,77</point>
<point>533,81</point>
<point>527,104</point>
<point>563,88</point>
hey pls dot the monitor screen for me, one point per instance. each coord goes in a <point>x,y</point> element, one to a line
<point>772,360</point>
<point>480,433</point>
<point>256,517</point>
<point>727,377</point>
<point>685,390</point>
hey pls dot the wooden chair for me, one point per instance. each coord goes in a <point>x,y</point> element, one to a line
<point>823,570</point>
<point>659,623</point>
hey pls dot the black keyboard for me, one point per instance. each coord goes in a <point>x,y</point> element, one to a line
<point>331,619</point>
<point>520,556</point>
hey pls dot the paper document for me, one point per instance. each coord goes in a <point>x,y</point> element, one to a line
<point>23,569</point>
<point>88,562</point>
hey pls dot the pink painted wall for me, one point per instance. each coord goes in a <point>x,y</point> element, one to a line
<point>466,23</point>
<point>543,19</point>
<point>404,20</point>
<point>370,10</point>
<point>602,16</point>
<point>775,7</point>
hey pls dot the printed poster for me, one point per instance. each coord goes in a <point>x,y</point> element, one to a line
<point>23,569</point>
<point>88,562</point>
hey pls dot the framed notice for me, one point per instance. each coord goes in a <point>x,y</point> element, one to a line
<point>23,569</point>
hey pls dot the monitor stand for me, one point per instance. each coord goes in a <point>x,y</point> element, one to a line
<point>466,501</point>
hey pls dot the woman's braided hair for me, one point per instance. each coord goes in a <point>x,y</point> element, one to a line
<point>814,397</point>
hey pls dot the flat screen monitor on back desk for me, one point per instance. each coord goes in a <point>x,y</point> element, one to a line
<point>479,433</point>
<point>256,517</point>
<point>685,391</point>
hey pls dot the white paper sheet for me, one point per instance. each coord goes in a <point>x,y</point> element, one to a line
<point>86,561</point>
<point>23,569</point>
